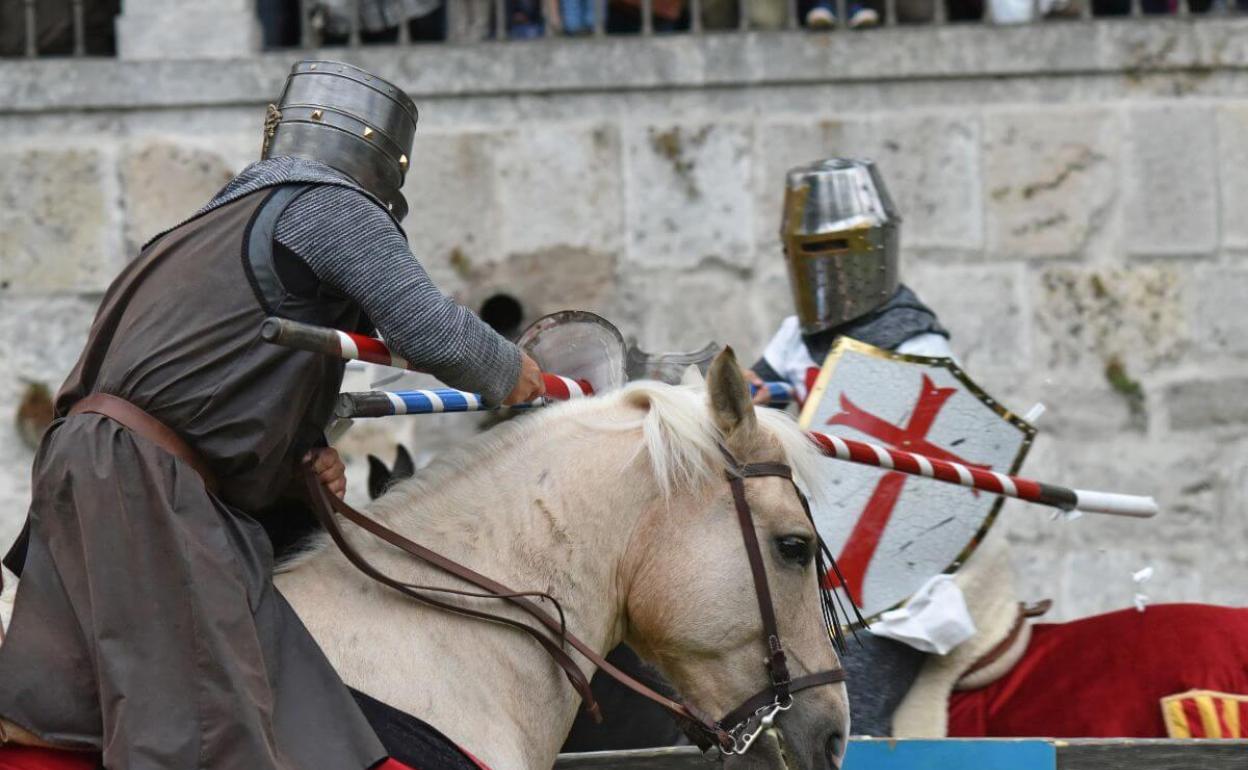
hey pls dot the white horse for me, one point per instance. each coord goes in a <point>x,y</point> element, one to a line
<point>619,508</point>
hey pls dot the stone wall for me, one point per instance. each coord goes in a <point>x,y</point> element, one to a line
<point>1073,194</point>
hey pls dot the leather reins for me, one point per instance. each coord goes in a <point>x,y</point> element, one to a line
<point>733,734</point>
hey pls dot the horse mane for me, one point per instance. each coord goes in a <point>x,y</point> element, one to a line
<point>678,437</point>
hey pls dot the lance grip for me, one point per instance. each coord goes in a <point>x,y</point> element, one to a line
<point>292,334</point>
<point>778,393</point>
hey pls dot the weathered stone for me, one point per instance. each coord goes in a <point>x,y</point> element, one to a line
<point>931,165</point>
<point>689,195</point>
<point>1172,183</point>
<point>698,307</point>
<point>779,147</point>
<point>1097,580</point>
<point>454,219</point>
<point>40,338</point>
<point>57,227</point>
<point>187,29</point>
<point>1220,321</point>
<point>1097,316</point>
<point>1233,173</point>
<point>1050,180</point>
<point>981,308</point>
<point>163,184</point>
<point>546,281</point>
<point>561,187</point>
<point>1208,403</point>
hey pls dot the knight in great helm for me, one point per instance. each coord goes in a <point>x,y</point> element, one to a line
<point>841,234</point>
<point>147,626</point>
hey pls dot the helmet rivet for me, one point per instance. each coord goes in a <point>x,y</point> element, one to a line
<point>318,114</point>
<point>403,162</point>
<point>389,207</point>
<point>368,132</point>
<point>312,67</point>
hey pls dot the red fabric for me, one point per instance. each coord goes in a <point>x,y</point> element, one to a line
<point>1105,676</point>
<point>27,758</point>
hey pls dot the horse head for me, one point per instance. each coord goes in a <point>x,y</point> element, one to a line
<point>690,598</point>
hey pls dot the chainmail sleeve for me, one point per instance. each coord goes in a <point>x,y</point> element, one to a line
<point>354,247</point>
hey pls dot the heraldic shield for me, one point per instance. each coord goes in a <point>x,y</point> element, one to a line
<point>891,532</point>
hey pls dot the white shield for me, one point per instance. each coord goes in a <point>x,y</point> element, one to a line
<point>889,531</point>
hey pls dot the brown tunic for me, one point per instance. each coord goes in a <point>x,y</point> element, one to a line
<point>147,625</point>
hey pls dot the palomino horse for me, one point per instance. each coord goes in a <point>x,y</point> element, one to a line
<point>618,507</point>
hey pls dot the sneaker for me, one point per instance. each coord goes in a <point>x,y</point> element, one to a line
<point>861,17</point>
<point>820,17</point>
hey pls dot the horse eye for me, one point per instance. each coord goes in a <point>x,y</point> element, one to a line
<point>794,548</point>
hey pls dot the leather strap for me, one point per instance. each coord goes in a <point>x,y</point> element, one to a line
<point>707,732</point>
<point>143,424</point>
<point>766,697</point>
<point>325,504</point>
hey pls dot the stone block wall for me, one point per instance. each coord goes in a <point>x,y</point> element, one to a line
<point>1073,203</point>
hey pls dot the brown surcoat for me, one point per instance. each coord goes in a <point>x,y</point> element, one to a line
<point>147,625</point>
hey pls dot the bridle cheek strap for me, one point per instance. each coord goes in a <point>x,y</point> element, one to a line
<point>704,731</point>
<point>783,685</point>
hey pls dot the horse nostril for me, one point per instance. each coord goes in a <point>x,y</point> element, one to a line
<point>835,749</point>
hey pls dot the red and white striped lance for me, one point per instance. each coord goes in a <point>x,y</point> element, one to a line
<point>333,342</point>
<point>1066,499</point>
<point>360,347</point>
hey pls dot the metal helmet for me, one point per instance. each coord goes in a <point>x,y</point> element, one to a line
<point>840,236</point>
<point>348,119</point>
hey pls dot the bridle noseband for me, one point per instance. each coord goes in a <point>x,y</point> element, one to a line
<point>735,733</point>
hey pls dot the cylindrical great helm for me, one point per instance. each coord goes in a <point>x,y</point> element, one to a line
<point>840,236</point>
<point>348,119</point>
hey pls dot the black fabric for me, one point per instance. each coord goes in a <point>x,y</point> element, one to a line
<point>411,740</point>
<point>902,317</point>
<point>879,674</point>
<point>630,721</point>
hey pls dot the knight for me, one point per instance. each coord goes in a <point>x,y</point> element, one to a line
<point>841,234</point>
<point>147,626</point>
<point>962,655</point>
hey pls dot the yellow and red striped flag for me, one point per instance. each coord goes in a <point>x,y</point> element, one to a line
<point>1205,714</point>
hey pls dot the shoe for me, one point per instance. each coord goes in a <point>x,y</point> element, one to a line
<point>861,18</point>
<point>820,17</point>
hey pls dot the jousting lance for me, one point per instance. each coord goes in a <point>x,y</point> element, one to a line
<point>339,344</point>
<point>360,347</point>
<point>385,403</point>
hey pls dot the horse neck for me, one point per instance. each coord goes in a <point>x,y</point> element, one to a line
<point>554,513</point>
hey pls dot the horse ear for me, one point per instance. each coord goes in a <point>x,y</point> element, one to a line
<point>404,468</point>
<point>730,401</point>
<point>378,477</point>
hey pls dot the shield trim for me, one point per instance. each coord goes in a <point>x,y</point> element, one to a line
<point>845,345</point>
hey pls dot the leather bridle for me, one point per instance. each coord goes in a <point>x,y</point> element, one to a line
<point>734,733</point>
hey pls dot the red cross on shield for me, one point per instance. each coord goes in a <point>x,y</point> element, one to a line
<point>892,532</point>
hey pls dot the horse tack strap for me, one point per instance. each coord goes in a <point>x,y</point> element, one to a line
<point>143,424</point>
<point>324,504</point>
<point>766,697</point>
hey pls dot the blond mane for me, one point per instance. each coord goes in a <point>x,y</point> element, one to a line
<point>678,436</point>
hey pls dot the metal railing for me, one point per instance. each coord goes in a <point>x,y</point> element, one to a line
<point>315,29</point>
<point>643,20</point>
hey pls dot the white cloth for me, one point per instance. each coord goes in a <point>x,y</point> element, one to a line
<point>788,356</point>
<point>935,620</point>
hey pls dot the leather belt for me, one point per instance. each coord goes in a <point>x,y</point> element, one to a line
<point>143,424</point>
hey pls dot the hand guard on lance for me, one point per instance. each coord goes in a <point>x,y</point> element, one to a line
<point>359,347</point>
